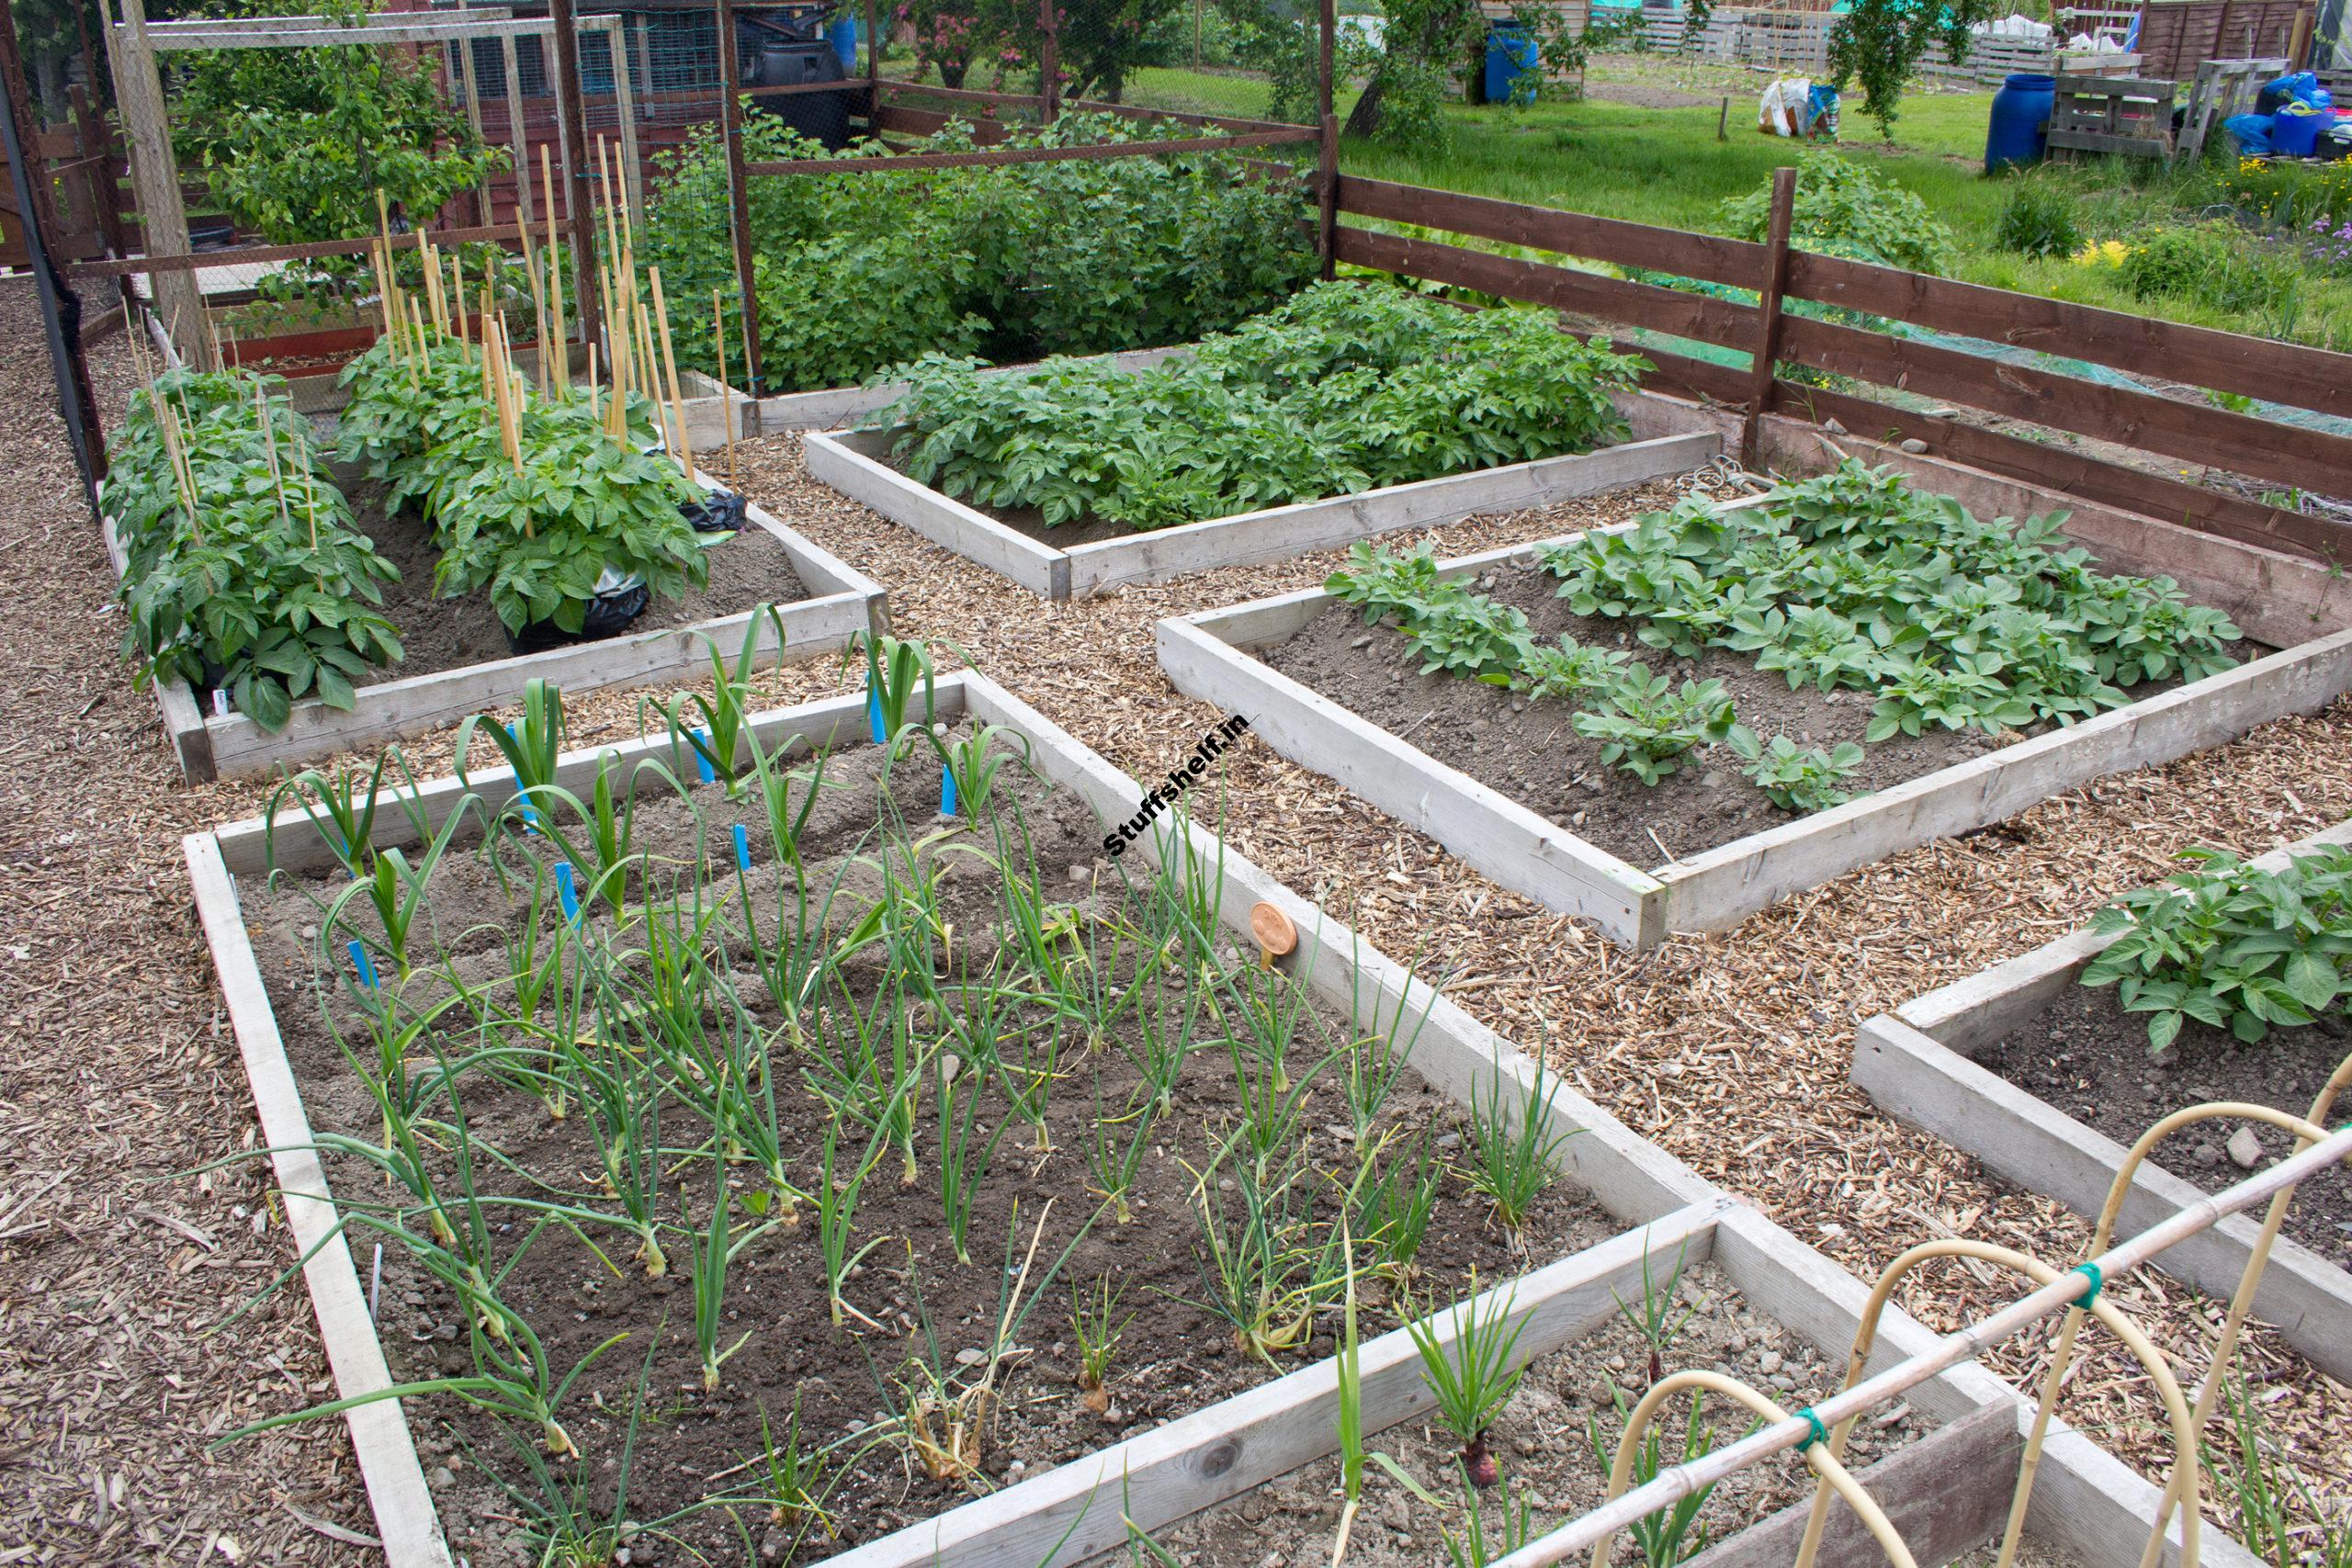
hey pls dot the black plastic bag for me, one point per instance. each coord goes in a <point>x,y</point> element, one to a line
<point>719,512</point>
<point>618,602</point>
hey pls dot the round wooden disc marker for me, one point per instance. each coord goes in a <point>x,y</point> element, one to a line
<point>1277,936</point>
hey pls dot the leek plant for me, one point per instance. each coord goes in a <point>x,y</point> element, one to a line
<point>532,747</point>
<point>719,739</point>
<point>342,809</point>
<point>893,669</point>
<point>396,892</point>
<point>973,762</point>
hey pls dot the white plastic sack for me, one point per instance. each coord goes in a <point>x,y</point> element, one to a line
<point>1781,111</point>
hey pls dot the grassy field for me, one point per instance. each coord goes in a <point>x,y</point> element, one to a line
<point>1657,161</point>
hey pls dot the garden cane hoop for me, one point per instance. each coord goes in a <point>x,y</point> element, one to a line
<point>1817,1453</point>
<point>2184,1434</point>
<point>2225,1343</point>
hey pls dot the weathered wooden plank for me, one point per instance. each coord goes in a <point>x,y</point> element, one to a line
<point>2195,432</point>
<point>850,461</point>
<point>2230,361</point>
<point>1670,310</point>
<point>1280,533</point>
<point>2024,1139</point>
<point>406,1522</point>
<point>1708,256</point>
<point>1071,1512</point>
<point>1716,890</point>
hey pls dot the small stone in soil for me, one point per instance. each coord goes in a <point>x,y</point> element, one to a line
<point>2245,1148</point>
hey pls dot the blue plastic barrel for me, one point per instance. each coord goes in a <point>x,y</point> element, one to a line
<point>2297,135</point>
<point>2016,131</point>
<point>842,36</point>
<point>1510,55</point>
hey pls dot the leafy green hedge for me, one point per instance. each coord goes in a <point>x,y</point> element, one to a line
<point>855,272</point>
<point>264,588</point>
<point>1339,389</point>
<point>538,537</point>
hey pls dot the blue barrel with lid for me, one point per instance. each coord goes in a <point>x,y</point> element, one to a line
<point>2017,134</point>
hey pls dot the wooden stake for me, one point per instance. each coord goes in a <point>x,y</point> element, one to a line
<point>670,368</point>
<point>458,291</point>
<point>555,287</point>
<point>538,301</point>
<point>727,393</point>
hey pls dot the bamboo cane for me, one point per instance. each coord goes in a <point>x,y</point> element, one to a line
<point>539,300</point>
<point>726,393</point>
<point>270,451</point>
<point>457,292</point>
<point>555,284</point>
<point>1675,1482</point>
<point>670,369</point>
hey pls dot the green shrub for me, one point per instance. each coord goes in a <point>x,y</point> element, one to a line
<point>857,273</point>
<point>1843,209</point>
<point>2212,265</point>
<point>2038,220</point>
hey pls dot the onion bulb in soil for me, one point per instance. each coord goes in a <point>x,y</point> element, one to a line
<point>1478,1462</point>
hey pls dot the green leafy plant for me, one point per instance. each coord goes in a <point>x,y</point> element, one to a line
<point>1793,778</point>
<point>2230,946</point>
<point>1649,726</point>
<point>1095,1326</point>
<point>1673,1534</point>
<point>2038,219</point>
<point>1845,210</point>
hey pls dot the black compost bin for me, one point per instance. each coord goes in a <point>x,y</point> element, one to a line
<point>780,50</point>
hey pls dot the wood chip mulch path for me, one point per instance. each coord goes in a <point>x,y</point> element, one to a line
<point>121,1274</point>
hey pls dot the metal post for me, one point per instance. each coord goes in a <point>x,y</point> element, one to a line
<point>1049,92</point>
<point>738,202</point>
<point>1768,337</point>
<point>578,206</point>
<point>1327,187</point>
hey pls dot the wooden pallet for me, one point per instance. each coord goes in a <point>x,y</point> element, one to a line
<point>2112,114</point>
<point>2222,88</point>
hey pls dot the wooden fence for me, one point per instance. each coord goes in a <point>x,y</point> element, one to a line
<point>1797,42</point>
<point>2182,433</point>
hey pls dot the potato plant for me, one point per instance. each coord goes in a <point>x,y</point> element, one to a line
<point>1338,391</point>
<point>538,533</point>
<point>2232,945</point>
<point>244,571</point>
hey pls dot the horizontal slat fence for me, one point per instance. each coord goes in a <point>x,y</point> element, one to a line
<point>2183,430</point>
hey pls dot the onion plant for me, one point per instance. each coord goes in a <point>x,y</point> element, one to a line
<point>1115,1147</point>
<point>1397,1198</point>
<point>837,1213</point>
<point>964,1146</point>
<point>620,1104</point>
<point>1091,1326</point>
<point>1472,1548</point>
<point>1263,1271</point>
<point>795,1481</point>
<point>715,1248</point>
<point>1674,1534</point>
<point>1515,1151</point>
<point>1349,1364</point>
<point>1469,1375</point>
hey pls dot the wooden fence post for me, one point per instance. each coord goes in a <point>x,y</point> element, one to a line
<point>873,58</point>
<point>1767,336</point>
<point>1049,89</point>
<point>580,207</point>
<point>1328,140</point>
<point>738,204</point>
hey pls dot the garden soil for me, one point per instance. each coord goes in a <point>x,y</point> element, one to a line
<point>1174,1357</point>
<point>120,1271</point>
<point>2088,1058</point>
<point>1530,751</point>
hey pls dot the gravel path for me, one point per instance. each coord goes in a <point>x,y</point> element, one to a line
<point>120,1273</point>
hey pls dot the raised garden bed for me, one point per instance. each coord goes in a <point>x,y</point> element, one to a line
<point>1509,784</point>
<point>1667,440</point>
<point>1074,1508</point>
<point>2006,1064</point>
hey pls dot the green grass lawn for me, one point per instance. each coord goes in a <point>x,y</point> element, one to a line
<point>1664,166</point>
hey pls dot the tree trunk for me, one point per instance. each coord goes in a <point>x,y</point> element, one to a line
<point>1364,119</point>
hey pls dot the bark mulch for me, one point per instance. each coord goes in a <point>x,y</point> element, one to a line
<point>116,1266</point>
